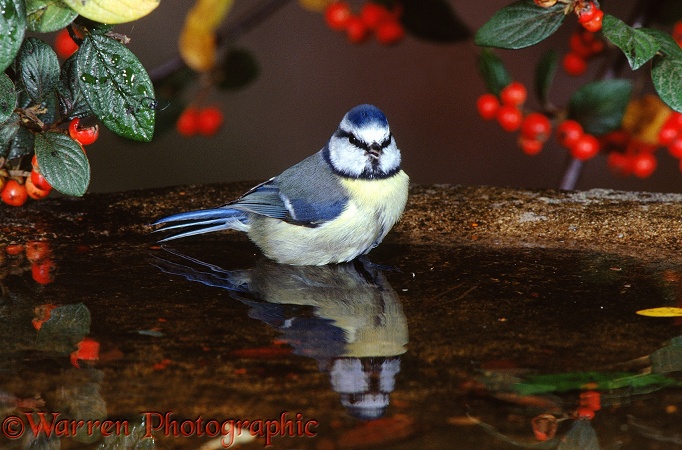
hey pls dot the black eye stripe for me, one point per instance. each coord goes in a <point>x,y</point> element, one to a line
<point>358,143</point>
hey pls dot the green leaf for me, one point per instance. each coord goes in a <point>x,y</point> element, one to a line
<point>240,68</point>
<point>8,97</point>
<point>21,144</point>
<point>544,74</point>
<point>433,20</point>
<point>71,99</point>
<point>520,25</point>
<point>8,130</point>
<point>44,16</point>
<point>666,70</point>
<point>38,68</point>
<point>495,75</point>
<point>63,163</point>
<point>637,45</point>
<point>599,106</point>
<point>117,87</point>
<point>12,30</point>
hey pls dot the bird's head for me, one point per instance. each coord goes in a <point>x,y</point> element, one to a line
<point>363,146</point>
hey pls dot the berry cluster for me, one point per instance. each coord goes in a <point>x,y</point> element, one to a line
<point>583,45</point>
<point>535,127</point>
<point>580,145</point>
<point>15,258</point>
<point>17,186</point>
<point>373,18</point>
<point>205,121</point>
<point>629,156</point>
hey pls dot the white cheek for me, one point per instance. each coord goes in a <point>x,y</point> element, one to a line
<point>347,158</point>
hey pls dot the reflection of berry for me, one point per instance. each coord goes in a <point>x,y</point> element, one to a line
<point>13,193</point>
<point>43,271</point>
<point>509,117</point>
<point>487,106</point>
<point>64,46</point>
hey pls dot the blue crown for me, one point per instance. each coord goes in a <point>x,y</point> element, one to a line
<point>363,115</point>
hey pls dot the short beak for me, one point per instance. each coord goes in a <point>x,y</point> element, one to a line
<point>375,150</point>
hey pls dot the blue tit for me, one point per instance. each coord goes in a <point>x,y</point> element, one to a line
<point>332,207</point>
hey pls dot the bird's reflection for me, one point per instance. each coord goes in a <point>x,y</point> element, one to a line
<point>356,328</point>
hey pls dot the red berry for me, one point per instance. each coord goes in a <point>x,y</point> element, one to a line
<point>84,135</point>
<point>578,46</point>
<point>586,11</point>
<point>643,165</point>
<point>14,194</point>
<point>675,148</point>
<point>568,132</point>
<point>37,250</point>
<point>39,181</point>
<point>677,32</point>
<point>34,191</point>
<point>509,117</point>
<point>64,46</point>
<point>595,24</point>
<point>619,163</point>
<point>668,134</point>
<point>210,120</point>
<point>188,122</point>
<point>530,146</point>
<point>43,271</point>
<point>487,106</point>
<point>536,126</point>
<point>586,147</point>
<point>356,30</point>
<point>390,32</point>
<point>514,94</point>
<point>373,14</point>
<point>337,15</point>
<point>574,64</point>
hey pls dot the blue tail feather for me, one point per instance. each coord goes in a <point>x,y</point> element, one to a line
<point>203,221</point>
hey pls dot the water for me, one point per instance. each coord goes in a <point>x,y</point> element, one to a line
<point>444,347</point>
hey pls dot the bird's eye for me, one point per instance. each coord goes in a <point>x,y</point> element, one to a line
<point>355,141</point>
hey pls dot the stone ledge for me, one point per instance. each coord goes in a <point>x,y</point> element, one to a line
<point>636,223</point>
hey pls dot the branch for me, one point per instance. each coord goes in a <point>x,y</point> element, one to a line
<point>250,20</point>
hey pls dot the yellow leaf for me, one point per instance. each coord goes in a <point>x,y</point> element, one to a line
<point>197,43</point>
<point>663,311</point>
<point>113,11</point>
<point>644,118</point>
<point>315,5</point>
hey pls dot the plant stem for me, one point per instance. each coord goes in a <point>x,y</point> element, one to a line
<point>258,14</point>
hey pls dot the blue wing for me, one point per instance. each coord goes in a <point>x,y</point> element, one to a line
<point>306,194</point>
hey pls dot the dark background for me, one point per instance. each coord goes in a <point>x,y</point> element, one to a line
<point>310,76</point>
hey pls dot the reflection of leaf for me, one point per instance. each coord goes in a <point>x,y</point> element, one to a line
<point>66,326</point>
<point>663,311</point>
<point>562,382</point>
<point>669,358</point>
